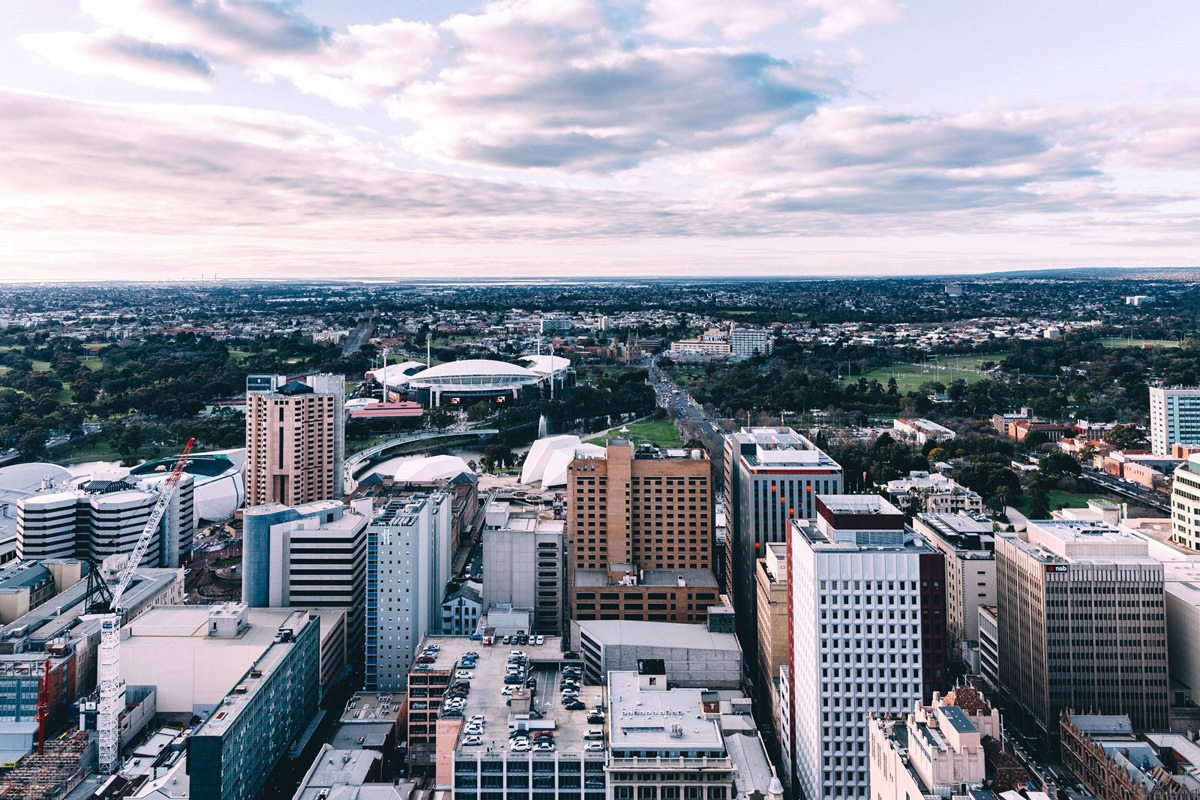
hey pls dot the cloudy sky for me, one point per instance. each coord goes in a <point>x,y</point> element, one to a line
<point>346,138</point>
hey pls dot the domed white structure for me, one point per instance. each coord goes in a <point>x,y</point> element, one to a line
<point>539,455</point>
<point>556,467</point>
<point>546,365</point>
<point>396,374</point>
<point>220,488</point>
<point>433,468</point>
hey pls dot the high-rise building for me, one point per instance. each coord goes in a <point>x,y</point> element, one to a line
<point>233,752</point>
<point>1081,622</point>
<point>772,586</point>
<point>639,534</point>
<point>105,516</point>
<point>867,625</point>
<point>523,561</point>
<point>746,342</point>
<point>1185,503</point>
<point>295,439</point>
<point>1174,417</point>
<point>773,476</point>
<point>410,548</point>
<point>308,556</point>
<point>970,550</point>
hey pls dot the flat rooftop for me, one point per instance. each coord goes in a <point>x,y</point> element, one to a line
<point>650,577</point>
<point>1082,541</point>
<point>658,634</point>
<point>764,448</point>
<point>658,720</point>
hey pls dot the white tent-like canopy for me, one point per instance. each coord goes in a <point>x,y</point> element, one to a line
<point>433,468</point>
<point>539,455</point>
<point>556,467</point>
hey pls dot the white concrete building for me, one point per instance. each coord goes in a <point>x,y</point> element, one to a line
<point>410,545</point>
<point>523,563</point>
<point>932,492</point>
<point>104,516</point>
<point>1174,417</point>
<point>746,342</point>
<point>692,655</point>
<point>857,647</point>
<point>921,431</point>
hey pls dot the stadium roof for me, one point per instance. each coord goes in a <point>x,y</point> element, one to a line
<point>455,371</point>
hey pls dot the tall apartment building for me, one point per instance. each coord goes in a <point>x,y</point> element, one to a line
<point>1174,417</point>
<point>934,751</point>
<point>410,547</point>
<point>105,516</point>
<point>639,534</point>
<point>1081,622</point>
<point>867,626</point>
<point>746,342</point>
<point>772,584</point>
<point>970,550</point>
<point>1185,503</point>
<point>523,560</point>
<point>773,476</point>
<point>232,753</point>
<point>308,556</point>
<point>295,439</point>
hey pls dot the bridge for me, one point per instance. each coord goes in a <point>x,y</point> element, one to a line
<point>360,459</point>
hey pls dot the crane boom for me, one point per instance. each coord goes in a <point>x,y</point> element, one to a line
<point>111,686</point>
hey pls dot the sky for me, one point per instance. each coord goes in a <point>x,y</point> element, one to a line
<point>235,139</point>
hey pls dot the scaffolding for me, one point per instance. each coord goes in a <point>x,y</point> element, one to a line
<point>49,775</point>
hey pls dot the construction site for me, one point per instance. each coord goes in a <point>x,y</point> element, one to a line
<point>51,773</point>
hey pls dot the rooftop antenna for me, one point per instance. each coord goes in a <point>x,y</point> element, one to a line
<point>428,350</point>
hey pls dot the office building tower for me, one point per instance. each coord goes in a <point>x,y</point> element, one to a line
<point>523,559</point>
<point>639,534</point>
<point>410,546</point>
<point>295,439</point>
<point>105,516</point>
<point>308,556</point>
<point>231,754</point>
<point>1174,417</point>
<point>1081,622</point>
<point>772,602</point>
<point>970,550</point>
<point>773,476</point>
<point>868,635</point>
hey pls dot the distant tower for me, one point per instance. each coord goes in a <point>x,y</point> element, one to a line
<point>295,439</point>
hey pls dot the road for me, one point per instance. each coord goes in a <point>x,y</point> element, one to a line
<point>357,338</point>
<point>1131,491</point>
<point>681,407</point>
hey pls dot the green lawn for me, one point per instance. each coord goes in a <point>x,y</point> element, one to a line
<point>92,362</point>
<point>40,366</point>
<point>659,432</point>
<point>949,369</point>
<point>1139,343</point>
<point>1060,499</point>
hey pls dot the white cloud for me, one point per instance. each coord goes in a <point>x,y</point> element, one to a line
<point>707,20</point>
<point>107,52</point>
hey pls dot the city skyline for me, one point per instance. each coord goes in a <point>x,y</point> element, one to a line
<point>152,139</point>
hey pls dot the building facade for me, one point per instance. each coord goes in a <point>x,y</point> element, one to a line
<point>746,342</point>
<point>1185,504</point>
<point>410,546</point>
<point>933,493</point>
<point>308,556</point>
<point>773,476</point>
<point>1174,417</point>
<point>1081,618</point>
<point>867,624</point>
<point>772,606</point>
<point>103,517</point>
<point>233,752</point>
<point>639,534</point>
<point>524,556</point>
<point>295,439</point>
<point>970,551</point>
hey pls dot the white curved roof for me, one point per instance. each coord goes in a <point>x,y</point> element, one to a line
<point>546,365</point>
<point>475,371</point>
<point>433,468</point>
<point>540,453</point>
<point>396,374</point>
<point>555,473</point>
<point>28,477</point>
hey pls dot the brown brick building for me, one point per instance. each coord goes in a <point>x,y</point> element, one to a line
<point>639,535</point>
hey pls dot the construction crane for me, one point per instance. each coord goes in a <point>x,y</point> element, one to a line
<point>111,687</point>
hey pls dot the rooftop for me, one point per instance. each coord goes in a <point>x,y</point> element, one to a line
<point>650,577</point>
<point>764,448</point>
<point>1081,541</point>
<point>670,720</point>
<point>658,634</point>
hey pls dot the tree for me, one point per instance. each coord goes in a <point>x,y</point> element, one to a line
<point>1039,499</point>
<point>1126,437</point>
<point>1035,439</point>
<point>1059,465</point>
<point>33,443</point>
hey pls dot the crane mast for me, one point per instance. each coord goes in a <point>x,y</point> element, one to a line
<point>111,687</point>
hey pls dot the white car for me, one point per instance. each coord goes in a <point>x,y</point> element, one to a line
<point>473,740</point>
<point>539,640</point>
<point>476,718</point>
<point>593,747</point>
<point>520,746</point>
